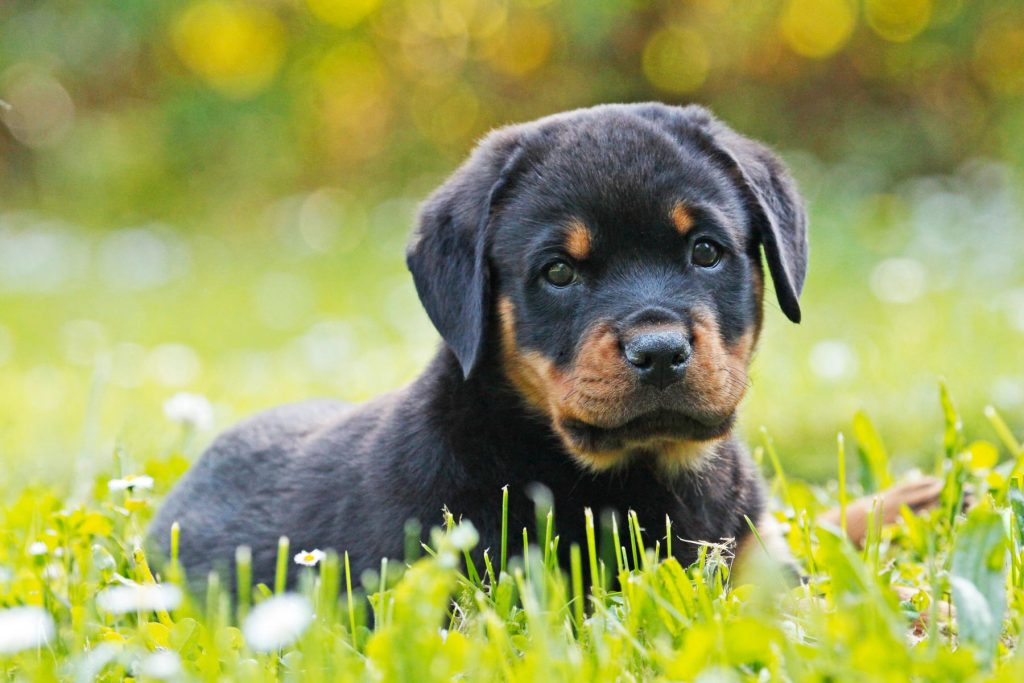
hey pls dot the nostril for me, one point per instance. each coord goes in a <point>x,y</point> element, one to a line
<point>638,359</point>
<point>679,359</point>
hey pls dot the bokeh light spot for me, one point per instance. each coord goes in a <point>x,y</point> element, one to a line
<point>999,57</point>
<point>355,100</point>
<point>236,48</point>
<point>173,365</point>
<point>817,28</point>
<point>833,360</point>
<point>39,111</point>
<point>899,280</point>
<point>81,341</point>
<point>676,59</point>
<point>524,47</point>
<point>897,20</point>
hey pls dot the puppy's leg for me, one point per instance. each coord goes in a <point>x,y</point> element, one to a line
<point>918,494</point>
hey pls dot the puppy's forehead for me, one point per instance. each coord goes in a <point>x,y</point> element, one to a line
<point>613,172</point>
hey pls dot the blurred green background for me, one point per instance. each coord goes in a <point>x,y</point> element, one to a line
<point>213,197</point>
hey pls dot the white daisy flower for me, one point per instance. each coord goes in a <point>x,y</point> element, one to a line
<point>149,597</point>
<point>465,536</point>
<point>38,548</point>
<point>53,571</point>
<point>310,558</point>
<point>22,628</point>
<point>277,622</point>
<point>131,482</point>
<point>161,665</point>
<point>190,410</point>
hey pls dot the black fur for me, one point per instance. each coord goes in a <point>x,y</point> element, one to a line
<point>331,475</point>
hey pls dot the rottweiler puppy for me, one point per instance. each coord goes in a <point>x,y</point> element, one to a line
<point>596,277</point>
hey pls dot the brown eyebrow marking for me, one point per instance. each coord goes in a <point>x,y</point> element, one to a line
<point>681,218</point>
<point>577,240</point>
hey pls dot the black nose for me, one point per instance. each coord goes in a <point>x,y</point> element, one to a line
<point>658,357</point>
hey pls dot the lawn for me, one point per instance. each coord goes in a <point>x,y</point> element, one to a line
<point>90,607</point>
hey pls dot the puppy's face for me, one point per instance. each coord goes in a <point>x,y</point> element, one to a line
<point>628,295</point>
<point>620,262</point>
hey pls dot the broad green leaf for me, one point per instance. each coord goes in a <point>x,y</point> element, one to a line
<point>978,577</point>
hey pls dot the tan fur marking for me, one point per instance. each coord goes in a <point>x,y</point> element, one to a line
<point>758,286</point>
<point>528,371</point>
<point>577,240</point>
<point>717,373</point>
<point>676,456</point>
<point>758,277</point>
<point>584,394</point>
<point>681,218</point>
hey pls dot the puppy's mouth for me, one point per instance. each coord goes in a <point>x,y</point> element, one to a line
<point>652,427</point>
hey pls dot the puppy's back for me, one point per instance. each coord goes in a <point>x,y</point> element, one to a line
<point>231,496</point>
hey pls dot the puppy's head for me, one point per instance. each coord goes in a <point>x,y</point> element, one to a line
<point>609,259</point>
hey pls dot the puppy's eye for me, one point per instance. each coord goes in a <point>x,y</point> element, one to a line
<point>706,254</point>
<point>560,274</point>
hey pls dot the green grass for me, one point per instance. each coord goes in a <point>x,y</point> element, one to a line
<point>644,616</point>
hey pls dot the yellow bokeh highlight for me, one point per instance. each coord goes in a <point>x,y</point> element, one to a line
<point>355,99</point>
<point>817,28</point>
<point>897,20</point>
<point>342,13</point>
<point>236,48</point>
<point>999,57</point>
<point>676,59</point>
<point>524,47</point>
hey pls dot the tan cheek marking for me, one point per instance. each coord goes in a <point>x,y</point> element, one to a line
<point>743,348</point>
<point>758,276</point>
<point>717,373</point>
<point>577,241</point>
<point>681,218</point>
<point>599,371</point>
<point>528,371</point>
<point>554,393</point>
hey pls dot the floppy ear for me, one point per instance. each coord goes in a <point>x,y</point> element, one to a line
<point>771,194</point>
<point>448,251</point>
<point>781,219</point>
